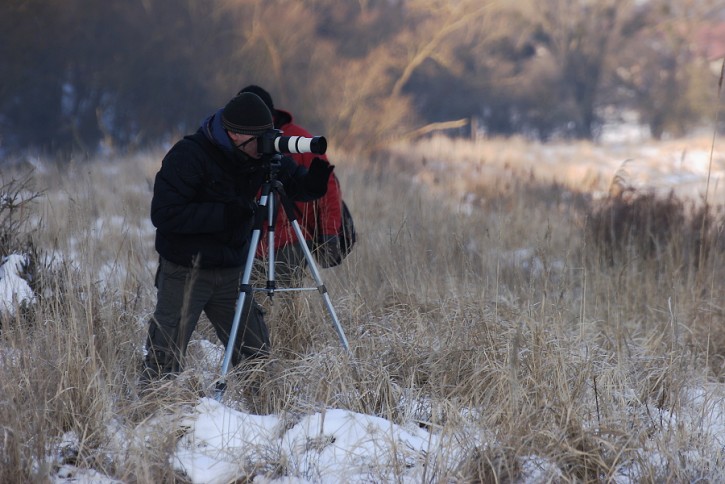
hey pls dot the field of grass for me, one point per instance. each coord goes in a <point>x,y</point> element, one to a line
<point>517,312</point>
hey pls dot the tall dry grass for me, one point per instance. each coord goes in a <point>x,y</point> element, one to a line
<point>505,321</point>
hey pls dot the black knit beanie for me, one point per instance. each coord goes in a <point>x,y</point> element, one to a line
<point>247,114</point>
<point>262,93</point>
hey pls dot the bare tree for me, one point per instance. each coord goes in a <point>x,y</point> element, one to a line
<point>664,76</point>
<point>125,73</point>
<point>580,37</point>
<point>379,98</point>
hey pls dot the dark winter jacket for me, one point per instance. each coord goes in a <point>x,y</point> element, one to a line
<point>199,177</point>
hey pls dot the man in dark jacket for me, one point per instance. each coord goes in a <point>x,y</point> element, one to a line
<point>203,209</point>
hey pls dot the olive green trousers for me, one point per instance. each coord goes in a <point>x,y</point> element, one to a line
<point>182,294</point>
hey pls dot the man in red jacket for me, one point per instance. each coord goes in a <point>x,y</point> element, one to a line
<point>319,220</point>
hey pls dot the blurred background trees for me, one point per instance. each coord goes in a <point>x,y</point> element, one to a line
<point>81,75</point>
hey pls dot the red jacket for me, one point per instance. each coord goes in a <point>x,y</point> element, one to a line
<point>328,209</point>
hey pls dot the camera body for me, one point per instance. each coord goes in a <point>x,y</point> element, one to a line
<point>272,142</point>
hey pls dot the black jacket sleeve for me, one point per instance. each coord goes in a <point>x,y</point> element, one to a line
<point>174,207</point>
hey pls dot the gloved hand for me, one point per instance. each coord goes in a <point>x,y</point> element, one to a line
<point>329,253</point>
<point>317,177</point>
<point>286,169</point>
<point>237,211</point>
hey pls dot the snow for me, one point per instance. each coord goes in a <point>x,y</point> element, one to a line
<point>14,290</point>
<point>220,441</point>
<point>330,446</point>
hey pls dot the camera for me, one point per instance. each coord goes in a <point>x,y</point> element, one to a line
<point>272,142</point>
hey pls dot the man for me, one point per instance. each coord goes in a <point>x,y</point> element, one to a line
<point>203,209</point>
<point>319,220</point>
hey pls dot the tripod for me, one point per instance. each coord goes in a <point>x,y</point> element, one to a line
<point>273,189</point>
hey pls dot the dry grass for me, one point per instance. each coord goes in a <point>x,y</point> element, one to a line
<point>523,320</point>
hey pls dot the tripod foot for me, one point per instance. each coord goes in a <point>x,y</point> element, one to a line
<point>221,387</point>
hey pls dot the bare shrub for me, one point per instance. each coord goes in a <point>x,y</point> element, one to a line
<point>631,227</point>
<point>656,248</point>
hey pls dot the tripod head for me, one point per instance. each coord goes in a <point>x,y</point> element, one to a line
<point>271,165</point>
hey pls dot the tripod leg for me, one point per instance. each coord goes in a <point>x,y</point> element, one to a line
<point>245,292</point>
<point>320,285</point>
<point>289,211</point>
<point>272,222</point>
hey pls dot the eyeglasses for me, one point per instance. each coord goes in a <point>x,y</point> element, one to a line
<point>241,146</point>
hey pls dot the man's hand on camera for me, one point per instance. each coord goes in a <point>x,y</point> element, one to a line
<point>330,249</point>
<point>317,176</point>
<point>237,211</point>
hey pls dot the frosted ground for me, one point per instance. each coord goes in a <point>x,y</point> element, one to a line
<point>219,442</point>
